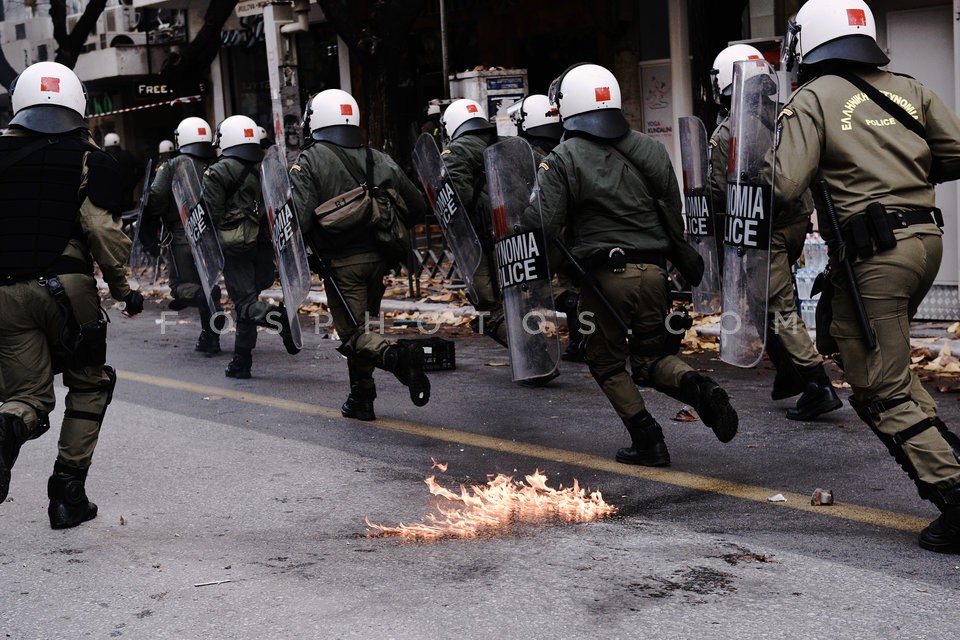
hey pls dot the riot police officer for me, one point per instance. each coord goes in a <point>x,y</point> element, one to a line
<point>605,181</point>
<point>165,150</point>
<point>874,162</point>
<point>335,162</point>
<point>231,191</point>
<point>130,170</point>
<point>799,367</point>
<point>52,321</point>
<point>538,122</point>
<point>469,133</point>
<point>194,138</point>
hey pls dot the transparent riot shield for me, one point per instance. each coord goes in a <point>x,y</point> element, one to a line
<point>288,247</point>
<point>701,229</point>
<point>201,234</point>
<point>521,251</point>
<point>143,266</point>
<point>747,226</point>
<point>450,212</point>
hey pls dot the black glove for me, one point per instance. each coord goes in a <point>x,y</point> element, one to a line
<point>152,249</point>
<point>134,302</point>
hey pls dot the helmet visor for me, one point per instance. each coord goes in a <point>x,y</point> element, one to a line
<point>788,52</point>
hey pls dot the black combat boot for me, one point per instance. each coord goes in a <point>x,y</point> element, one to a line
<point>818,395</point>
<point>787,384</point>
<point>405,361</point>
<point>68,499</point>
<point>239,367</point>
<point>359,404</point>
<point>943,534</point>
<point>575,351</point>
<point>648,448</point>
<point>13,433</point>
<point>208,342</point>
<point>711,402</point>
<point>286,334</point>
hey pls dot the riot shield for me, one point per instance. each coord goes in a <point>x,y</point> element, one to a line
<point>747,225</point>
<point>450,212</point>
<point>288,247</point>
<point>701,229</point>
<point>521,251</point>
<point>201,234</point>
<point>141,263</point>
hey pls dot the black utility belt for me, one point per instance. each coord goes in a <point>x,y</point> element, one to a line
<point>8,280</point>
<point>873,231</point>
<point>617,259</point>
<point>62,266</point>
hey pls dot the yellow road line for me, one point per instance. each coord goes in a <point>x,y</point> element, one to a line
<point>800,502</point>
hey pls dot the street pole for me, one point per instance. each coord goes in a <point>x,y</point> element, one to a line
<point>443,49</point>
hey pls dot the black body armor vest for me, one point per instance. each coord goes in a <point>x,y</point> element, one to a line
<point>39,205</point>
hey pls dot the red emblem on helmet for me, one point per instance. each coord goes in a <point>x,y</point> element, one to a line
<point>201,131</point>
<point>857,17</point>
<point>248,133</point>
<point>50,84</point>
<point>602,93</point>
<point>472,108</point>
<point>346,109</point>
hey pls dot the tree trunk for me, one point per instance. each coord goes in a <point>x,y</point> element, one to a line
<point>185,69</point>
<point>70,45</point>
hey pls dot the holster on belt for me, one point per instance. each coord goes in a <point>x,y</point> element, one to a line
<point>80,345</point>
<point>873,231</point>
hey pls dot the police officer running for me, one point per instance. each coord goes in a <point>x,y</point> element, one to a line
<point>231,191</point>
<point>609,184</point>
<point>51,320</point>
<point>799,367</point>
<point>872,144</point>
<point>538,122</point>
<point>194,138</point>
<point>335,162</point>
<point>130,169</point>
<point>470,133</point>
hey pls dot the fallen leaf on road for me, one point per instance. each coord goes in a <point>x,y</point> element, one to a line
<point>686,415</point>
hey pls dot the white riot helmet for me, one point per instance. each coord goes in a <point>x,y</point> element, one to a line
<point>536,117</point>
<point>239,137</point>
<point>333,116</point>
<point>462,116</point>
<point>722,71</point>
<point>47,97</point>
<point>111,140</point>
<point>195,138</point>
<point>166,146</point>
<point>589,101</point>
<point>833,30</point>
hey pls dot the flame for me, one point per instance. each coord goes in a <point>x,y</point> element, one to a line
<point>491,509</point>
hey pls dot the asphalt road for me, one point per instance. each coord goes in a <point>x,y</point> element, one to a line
<point>261,488</point>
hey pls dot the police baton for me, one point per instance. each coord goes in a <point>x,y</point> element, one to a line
<point>330,281</point>
<point>840,249</point>
<point>591,282</point>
